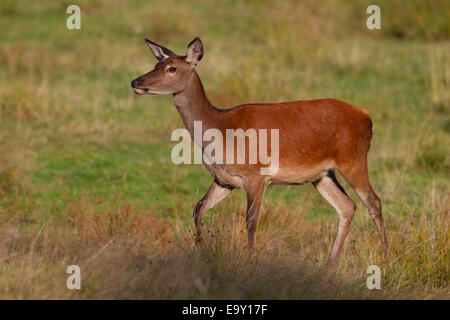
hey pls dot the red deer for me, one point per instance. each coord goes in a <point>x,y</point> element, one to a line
<point>316,138</point>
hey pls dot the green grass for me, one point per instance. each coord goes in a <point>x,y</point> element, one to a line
<point>85,170</point>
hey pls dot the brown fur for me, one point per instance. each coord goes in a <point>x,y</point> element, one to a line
<point>316,137</point>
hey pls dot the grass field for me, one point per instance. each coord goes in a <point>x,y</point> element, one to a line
<point>86,176</point>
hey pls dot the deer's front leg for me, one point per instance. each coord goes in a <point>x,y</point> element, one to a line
<point>255,194</point>
<point>214,195</point>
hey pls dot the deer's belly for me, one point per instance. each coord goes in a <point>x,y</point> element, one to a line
<point>233,175</point>
<point>298,176</point>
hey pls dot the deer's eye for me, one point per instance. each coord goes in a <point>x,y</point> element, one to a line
<point>172,69</point>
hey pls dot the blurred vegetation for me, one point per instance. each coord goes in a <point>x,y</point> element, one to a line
<point>85,170</point>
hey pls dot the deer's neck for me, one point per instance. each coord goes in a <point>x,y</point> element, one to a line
<point>193,105</point>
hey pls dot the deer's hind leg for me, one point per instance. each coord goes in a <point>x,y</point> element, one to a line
<point>215,194</point>
<point>333,192</point>
<point>357,176</point>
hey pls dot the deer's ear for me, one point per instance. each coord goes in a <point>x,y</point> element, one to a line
<point>160,52</point>
<point>194,51</point>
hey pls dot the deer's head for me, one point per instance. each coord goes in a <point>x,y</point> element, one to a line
<point>171,73</point>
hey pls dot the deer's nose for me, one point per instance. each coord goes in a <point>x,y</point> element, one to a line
<point>136,82</point>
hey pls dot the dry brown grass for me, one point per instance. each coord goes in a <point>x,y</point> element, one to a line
<point>129,254</point>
